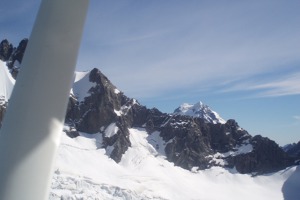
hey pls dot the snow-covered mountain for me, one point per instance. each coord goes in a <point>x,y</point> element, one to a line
<point>113,147</point>
<point>191,141</point>
<point>292,149</point>
<point>84,171</point>
<point>199,110</point>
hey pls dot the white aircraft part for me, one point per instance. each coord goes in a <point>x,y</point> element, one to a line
<point>30,133</point>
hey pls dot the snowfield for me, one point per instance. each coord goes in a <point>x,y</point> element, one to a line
<point>84,171</point>
<point>7,82</point>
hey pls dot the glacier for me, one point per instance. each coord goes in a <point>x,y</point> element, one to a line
<point>84,171</point>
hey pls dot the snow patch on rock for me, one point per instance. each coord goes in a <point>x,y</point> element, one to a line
<point>82,85</point>
<point>111,130</point>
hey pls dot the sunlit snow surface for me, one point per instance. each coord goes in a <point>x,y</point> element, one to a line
<point>7,83</point>
<point>81,85</point>
<point>84,171</point>
<point>200,110</point>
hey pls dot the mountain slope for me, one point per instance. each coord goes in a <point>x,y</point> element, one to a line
<point>6,86</point>
<point>83,171</point>
<point>190,141</point>
<point>6,82</point>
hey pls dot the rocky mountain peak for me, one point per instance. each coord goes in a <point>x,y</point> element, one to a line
<point>293,150</point>
<point>6,50</point>
<point>190,141</point>
<point>13,56</point>
<point>201,110</point>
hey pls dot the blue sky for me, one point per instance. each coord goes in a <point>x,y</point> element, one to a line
<point>242,58</point>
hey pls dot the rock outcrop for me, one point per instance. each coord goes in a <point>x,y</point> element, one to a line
<point>3,106</point>
<point>293,150</point>
<point>13,55</point>
<point>6,50</point>
<point>266,156</point>
<point>104,106</point>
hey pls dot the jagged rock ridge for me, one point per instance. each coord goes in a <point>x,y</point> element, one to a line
<point>13,55</point>
<point>189,141</point>
<point>293,150</point>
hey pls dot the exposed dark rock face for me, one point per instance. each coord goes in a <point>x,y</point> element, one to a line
<point>6,50</point>
<point>266,156</point>
<point>226,136</point>
<point>18,53</point>
<point>72,133</point>
<point>102,108</point>
<point>98,109</point>
<point>188,145</point>
<point>3,106</point>
<point>191,142</point>
<point>293,150</point>
<point>120,142</point>
<point>12,54</point>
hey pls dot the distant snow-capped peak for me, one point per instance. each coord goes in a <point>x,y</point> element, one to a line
<point>199,110</point>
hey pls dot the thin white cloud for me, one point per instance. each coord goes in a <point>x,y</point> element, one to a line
<point>150,47</point>
<point>290,86</point>
<point>286,85</point>
<point>297,117</point>
<point>162,46</point>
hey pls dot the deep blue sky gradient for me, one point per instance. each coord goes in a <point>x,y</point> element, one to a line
<point>242,58</point>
